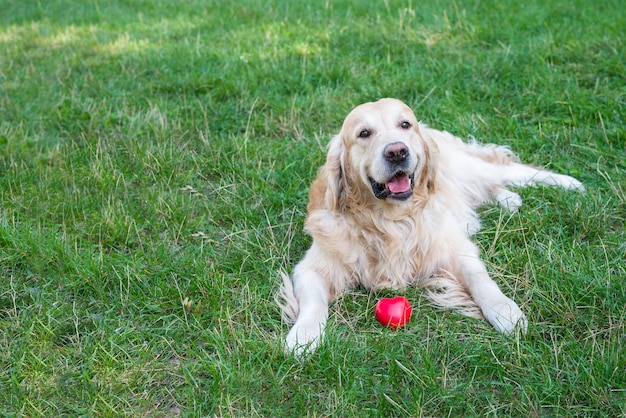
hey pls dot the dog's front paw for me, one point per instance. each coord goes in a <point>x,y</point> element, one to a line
<point>302,339</point>
<point>505,316</point>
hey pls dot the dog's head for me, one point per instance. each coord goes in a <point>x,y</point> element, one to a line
<point>379,155</point>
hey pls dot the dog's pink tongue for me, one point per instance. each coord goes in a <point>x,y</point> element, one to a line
<point>399,184</point>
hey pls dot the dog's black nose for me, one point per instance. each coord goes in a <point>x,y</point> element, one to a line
<point>396,152</point>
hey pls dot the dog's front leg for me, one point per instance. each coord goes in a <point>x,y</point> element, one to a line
<point>311,291</point>
<point>500,311</point>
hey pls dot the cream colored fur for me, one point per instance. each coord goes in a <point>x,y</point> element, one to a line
<point>423,240</point>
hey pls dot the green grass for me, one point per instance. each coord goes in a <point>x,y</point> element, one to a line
<point>154,165</point>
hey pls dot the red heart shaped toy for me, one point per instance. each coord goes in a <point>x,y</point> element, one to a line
<point>393,312</point>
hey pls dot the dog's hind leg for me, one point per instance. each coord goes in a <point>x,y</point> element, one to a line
<point>525,175</point>
<point>507,199</point>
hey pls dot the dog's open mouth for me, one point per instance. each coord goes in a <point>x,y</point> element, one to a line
<point>399,186</point>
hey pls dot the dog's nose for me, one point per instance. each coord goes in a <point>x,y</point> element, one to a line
<point>396,152</point>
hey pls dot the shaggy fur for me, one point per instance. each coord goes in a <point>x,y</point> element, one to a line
<point>394,206</point>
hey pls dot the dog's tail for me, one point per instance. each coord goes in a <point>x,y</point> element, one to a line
<point>286,299</point>
<point>445,291</point>
<point>496,154</point>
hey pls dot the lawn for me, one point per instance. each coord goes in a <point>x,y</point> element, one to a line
<point>154,164</point>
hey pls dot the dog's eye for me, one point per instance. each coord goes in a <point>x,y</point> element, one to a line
<point>405,125</point>
<point>364,133</point>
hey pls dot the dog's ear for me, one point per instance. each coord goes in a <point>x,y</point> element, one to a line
<point>430,172</point>
<point>426,182</point>
<point>327,189</point>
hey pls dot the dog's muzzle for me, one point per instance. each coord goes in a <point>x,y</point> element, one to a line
<point>399,186</point>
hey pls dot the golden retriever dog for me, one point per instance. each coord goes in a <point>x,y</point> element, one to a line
<point>394,206</point>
